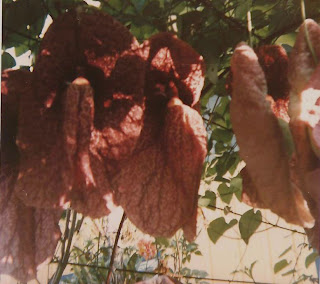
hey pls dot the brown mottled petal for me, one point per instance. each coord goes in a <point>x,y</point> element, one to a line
<point>42,181</point>
<point>28,239</point>
<point>260,139</point>
<point>171,59</point>
<point>280,108</point>
<point>163,197</point>
<point>314,235</point>
<point>250,194</point>
<point>310,109</point>
<point>107,55</point>
<point>79,44</point>
<point>301,68</point>
<point>315,139</point>
<point>12,87</point>
<point>184,132</point>
<point>274,61</point>
<point>56,59</point>
<point>305,115</point>
<point>147,191</point>
<point>102,39</point>
<point>119,117</point>
<point>89,177</point>
<point>312,186</point>
<point>306,145</point>
<point>93,200</point>
<point>77,128</point>
<point>302,64</point>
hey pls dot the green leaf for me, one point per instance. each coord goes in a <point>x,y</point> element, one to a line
<point>311,258</point>
<point>225,193</point>
<point>7,61</point>
<point>236,186</point>
<point>285,251</point>
<point>221,164</point>
<point>138,4</point>
<point>221,179</point>
<point>21,49</point>
<point>233,162</point>
<point>132,261</point>
<point>191,247</point>
<point>288,139</point>
<point>209,199</point>
<point>249,223</point>
<point>116,4</point>
<point>280,265</point>
<point>217,228</point>
<point>162,241</point>
<point>219,147</point>
<point>152,9</point>
<point>242,8</point>
<point>289,272</point>
<point>222,135</point>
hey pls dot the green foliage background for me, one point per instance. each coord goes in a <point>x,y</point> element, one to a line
<point>213,28</point>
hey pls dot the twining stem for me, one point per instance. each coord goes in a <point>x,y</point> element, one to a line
<point>178,253</point>
<point>309,43</point>
<point>114,249</point>
<point>65,251</point>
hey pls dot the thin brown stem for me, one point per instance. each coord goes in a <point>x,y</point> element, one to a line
<point>264,222</point>
<point>21,34</point>
<point>65,250</point>
<point>114,250</point>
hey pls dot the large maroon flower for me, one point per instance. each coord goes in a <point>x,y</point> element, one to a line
<point>158,186</point>
<point>28,235</point>
<point>262,145</point>
<point>274,178</point>
<point>84,125</point>
<point>304,74</point>
<point>71,138</point>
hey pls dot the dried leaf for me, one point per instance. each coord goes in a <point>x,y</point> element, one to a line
<point>260,139</point>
